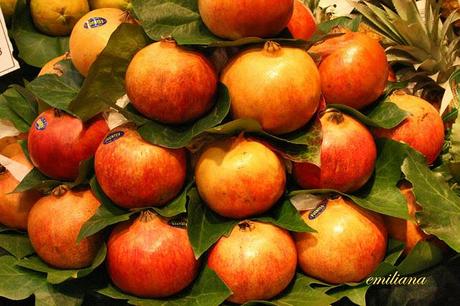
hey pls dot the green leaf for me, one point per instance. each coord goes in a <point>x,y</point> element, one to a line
<point>299,293</point>
<point>7,114</point>
<point>422,257</point>
<point>58,91</point>
<point>176,206</point>
<point>107,214</point>
<point>385,115</point>
<point>35,48</point>
<point>49,295</point>
<point>17,283</point>
<point>57,276</point>
<point>105,82</point>
<point>204,226</point>
<point>16,244</point>
<point>21,103</point>
<point>356,294</point>
<point>440,213</point>
<point>178,137</point>
<point>207,289</point>
<point>36,180</point>
<point>285,215</point>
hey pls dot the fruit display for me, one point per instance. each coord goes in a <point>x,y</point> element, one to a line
<point>224,152</point>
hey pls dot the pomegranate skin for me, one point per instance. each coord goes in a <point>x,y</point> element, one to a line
<point>277,86</point>
<point>134,173</point>
<point>257,261</point>
<point>54,224</point>
<point>423,129</point>
<point>148,257</point>
<point>238,177</point>
<point>15,207</point>
<point>348,155</point>
<point>349,244</point>
<point>179,86</point>
<point>302,24</point>
<point>237,19</point>
<point>354,69</point>
<point>58,143</point>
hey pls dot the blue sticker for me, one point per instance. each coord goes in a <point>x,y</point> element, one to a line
<point>113,136</point>
<point>317,211</point>
<point>41,124</point>
<point>95,22</point>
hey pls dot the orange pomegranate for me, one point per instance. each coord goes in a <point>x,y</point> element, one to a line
<point>302,24</point>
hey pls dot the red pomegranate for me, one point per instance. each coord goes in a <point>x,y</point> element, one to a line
<point>348,155</point>
<point>302,24</point>
<point>237,19</point>
<point>348,246</point>
<point>134,173</point>
<point>257,261</point>
<point>148,257</point>
<point>353,69</point>
<point>54,224</point>
<point>239,177</point>
<point>423,129</point>
<point>59,142</point>
<point>179,86</point>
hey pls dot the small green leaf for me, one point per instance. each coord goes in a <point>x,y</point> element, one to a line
<point>58,91</point>
<point>207,289</point>
<point>57,276</point>
<point>105,82</point>
<point>356,294</point>
<point>16,244</point>
<point>36,180</point>
<point>204,226</point>
<point>17,283</point>
<point>176,206</point>
<point>440,214</point>
<point>49,295</point>
<point>422,257</point>
<point>285,215</point>
<point>35,48</point>
<point>17,108</point>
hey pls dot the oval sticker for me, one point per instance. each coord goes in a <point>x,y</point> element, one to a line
<point>41,124</point>
<point>95,22</point>
<point>113,136</point>
<point>317,211</point>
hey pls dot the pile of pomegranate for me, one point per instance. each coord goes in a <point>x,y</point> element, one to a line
<point>238,177</point>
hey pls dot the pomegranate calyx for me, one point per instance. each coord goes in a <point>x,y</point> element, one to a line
<point>272,47</point>
<point>246,226</point>
<point>147,216</point>
<point>335,117</point>
<point>60,190</point>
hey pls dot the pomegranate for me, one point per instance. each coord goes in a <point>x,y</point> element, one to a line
<point>134,173</point>
<point>91,34</point>
<point>239,177</point>
<point>54,224</point>
<point>179,86</point>
<point>349,244</point>
<point>52,66</point>
<point>59,142</point>
<point>353,69</point>
<point>423,129</point>
<point>348,155</point>
<point>302,24</point>
<point>15,207</point>
<point>237,19</point>
<point>148,257</point>
<point>277,86</point>
<point>406,231</point>
<point>257,261</point>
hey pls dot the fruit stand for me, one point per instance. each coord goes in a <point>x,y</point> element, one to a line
<point>217,152</point>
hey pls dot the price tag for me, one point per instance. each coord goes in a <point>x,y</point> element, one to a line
<point>7,61</point>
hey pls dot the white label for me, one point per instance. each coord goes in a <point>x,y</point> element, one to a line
<point>7,61</point>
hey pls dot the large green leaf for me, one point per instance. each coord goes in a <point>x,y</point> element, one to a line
<point>440,214</point>
<point>16,244</point>
<point>207,289</point>
<point>49,295</point>
<point>58,91</point>
<point>18,106</point>
<point>423,256</point>
<point>17,283</point>
<point>105,82</point>
<point>204,226</point>
<point>35,48</point>
<point>57,276</point>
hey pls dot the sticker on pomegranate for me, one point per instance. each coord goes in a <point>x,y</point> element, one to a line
<point>95,22</point>
<point>113,136</point>
<point>317,211</point>
<point>41,124</point>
